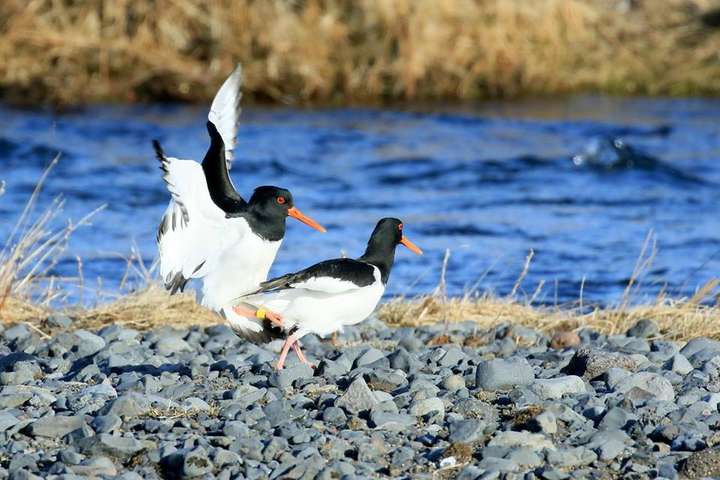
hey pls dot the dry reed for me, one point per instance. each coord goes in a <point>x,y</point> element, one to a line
<point>69,52</point>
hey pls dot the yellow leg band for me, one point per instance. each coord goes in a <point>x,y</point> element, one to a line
<point>260,313</point>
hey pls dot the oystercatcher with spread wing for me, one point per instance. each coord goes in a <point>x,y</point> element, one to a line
<point>210,232</point>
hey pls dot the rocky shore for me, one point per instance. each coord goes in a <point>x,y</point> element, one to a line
<point>402,403</point>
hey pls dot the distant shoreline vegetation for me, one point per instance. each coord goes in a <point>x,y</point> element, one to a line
<point>68,53</point>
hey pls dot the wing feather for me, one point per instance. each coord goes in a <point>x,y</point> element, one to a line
<point>331,276</point>
<point>225,111</point>
<point>193,232</point>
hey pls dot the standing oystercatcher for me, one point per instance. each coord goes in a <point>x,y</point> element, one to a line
<point>329,295</point>
<point>210,232</point>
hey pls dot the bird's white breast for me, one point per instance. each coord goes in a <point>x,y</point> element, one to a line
<point>239,270</point>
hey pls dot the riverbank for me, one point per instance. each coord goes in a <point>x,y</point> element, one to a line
<point>70,53</point>
<point>185,402</point>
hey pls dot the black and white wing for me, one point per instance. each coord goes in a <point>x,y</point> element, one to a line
<point>193,232</point>
<point>225,111</point>
<point>331,276</point>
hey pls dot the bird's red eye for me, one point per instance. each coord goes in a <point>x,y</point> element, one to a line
<point>400,227</point>
<point>280,200</point>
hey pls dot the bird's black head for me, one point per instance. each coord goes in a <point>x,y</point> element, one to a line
<point>380,251</point>
<point>272,201</point>
<point>269,207</point>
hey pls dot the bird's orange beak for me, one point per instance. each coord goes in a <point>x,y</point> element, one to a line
<point>414,248</point>
<point>295,213</point>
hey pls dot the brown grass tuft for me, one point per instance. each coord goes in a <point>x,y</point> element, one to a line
<point>70,52</point>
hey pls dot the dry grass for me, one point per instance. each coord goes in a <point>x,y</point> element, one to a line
<point>35,245</point>
<point>69,52</point>
<point>677,320</point>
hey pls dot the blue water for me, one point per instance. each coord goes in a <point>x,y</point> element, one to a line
<point>580,181</point>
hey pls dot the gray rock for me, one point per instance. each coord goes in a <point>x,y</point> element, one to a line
<point>391,421</point>
<point>112,445</point>
<point>196,462</point>
<point>656,385</point>
<point>7,420</point>
<point>357,398</point>
<point>608,444</point>
<point>429,405</point>
<point>590,363</point>
<point>521,439</point>
<point>698,344</point>
<point>55,426</point>
<point>385,380</point>
<point>554,388</point>
<point>502,374</point>
<point>571,457</point>
<point>452,357</point>
<point>334,416</point>
<point>370,355</point>
<point>95,467</point>
<point>453,383</point>
<point>525,457</point>
<point>172,344</point>
<point>679,364</point>
<point>546,423</point>
<point>615,419</point>
<point>644,328</point>
<point>106,423</point>
<point>88,343</point>
<point>129,405</point>
<point>467,431</point>
<point>12,400</point>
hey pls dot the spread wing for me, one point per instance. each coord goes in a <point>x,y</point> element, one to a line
<point>225,111</point>
<point>193,232</point>
<point>331,276</point>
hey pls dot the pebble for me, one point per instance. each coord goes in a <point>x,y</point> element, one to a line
<point>553,388</point>
<point>199,402</point>
<point>500,374</point>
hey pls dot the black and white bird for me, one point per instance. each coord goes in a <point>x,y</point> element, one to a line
<point>210,232</point>
<point>329,295</point>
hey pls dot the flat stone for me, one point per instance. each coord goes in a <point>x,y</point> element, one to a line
<point>554,388</point>
<point>698,344</point>
<point>499,374</point>
<point>571,457</point>
<point>391,421</point>
<point>370,355</point>
<point>644,328</point>
<point>357,398</point>
<point>656,385</point>
<point>106,423</point>
<point>112,445</point>
<point>427,406</point>
<point>88,343</point>
<point>95,467</point>
<point>129,405</point>
<point>608,444</point>
<point>521,439</point>
<point>7,420</point>
<point>467,431</point>
<point>680,364</point>
<point>55,426</point>
<point>172,344</point>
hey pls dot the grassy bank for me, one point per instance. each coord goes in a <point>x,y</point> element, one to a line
<point>67,52</point>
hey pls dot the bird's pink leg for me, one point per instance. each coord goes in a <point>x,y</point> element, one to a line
<point>285,349</point>
<point>301,355</point>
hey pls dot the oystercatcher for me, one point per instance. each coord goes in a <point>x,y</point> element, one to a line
<point>329,295</point>
<point>211,233</point>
